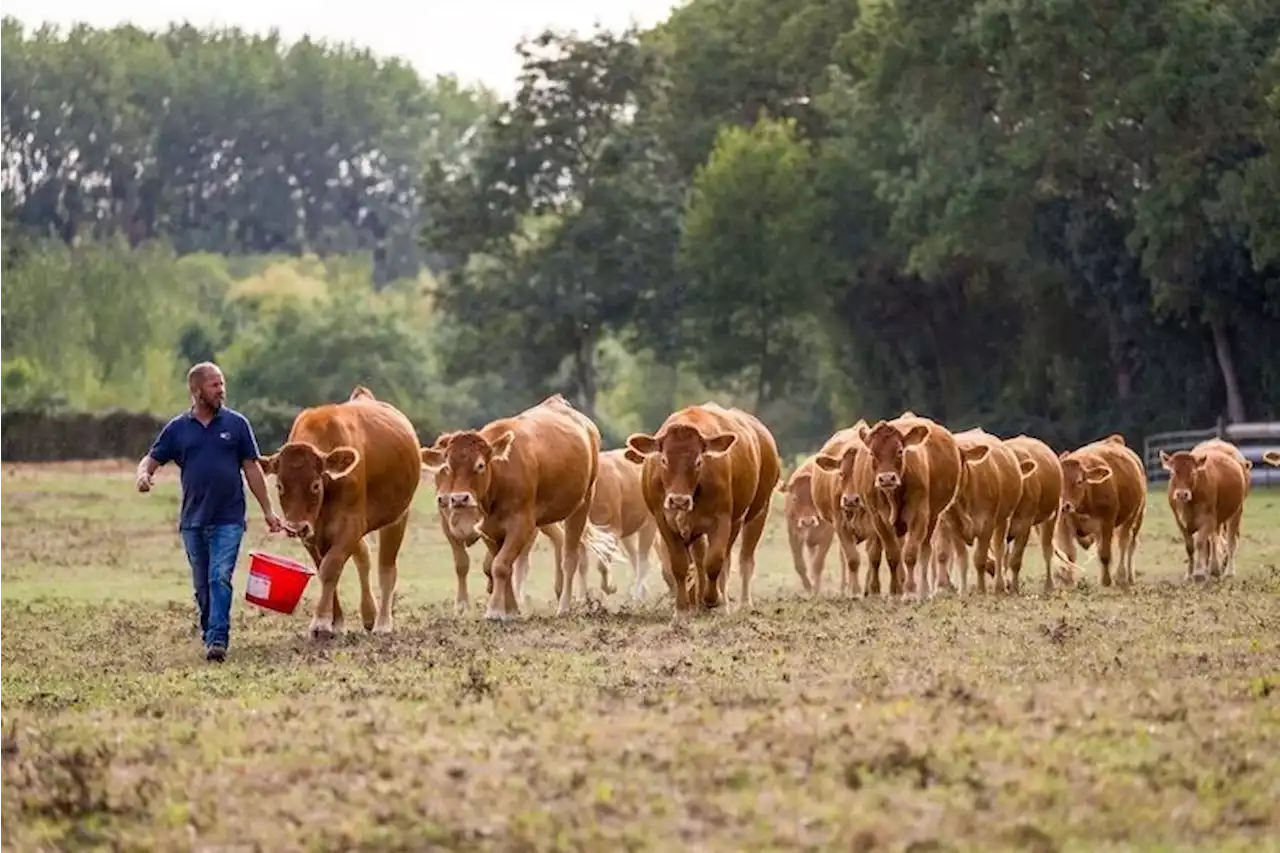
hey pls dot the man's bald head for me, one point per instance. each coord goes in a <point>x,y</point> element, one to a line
<point>207,385</point>
<point>198,373</point>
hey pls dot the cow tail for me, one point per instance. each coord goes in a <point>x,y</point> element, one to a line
<point>605,546</point>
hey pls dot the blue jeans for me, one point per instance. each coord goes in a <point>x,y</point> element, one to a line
<point>212,551</point>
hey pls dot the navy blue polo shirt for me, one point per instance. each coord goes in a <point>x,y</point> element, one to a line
<point>210,458</point>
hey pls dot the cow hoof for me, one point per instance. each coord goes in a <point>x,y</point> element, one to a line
<point>1199,577</point>
<point>563,610</point>
<point>322,631</point>
<point>384,630</point>
<point>460,606</point>
<point>493,614</point>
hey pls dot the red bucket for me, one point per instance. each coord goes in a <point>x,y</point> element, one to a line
<point>276,583</point>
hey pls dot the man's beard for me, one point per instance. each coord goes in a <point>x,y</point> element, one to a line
<point>213,403</point>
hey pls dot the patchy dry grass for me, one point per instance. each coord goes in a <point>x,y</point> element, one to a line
<point>1093,720</point>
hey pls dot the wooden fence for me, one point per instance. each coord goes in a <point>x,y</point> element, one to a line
<point>1253,439</point>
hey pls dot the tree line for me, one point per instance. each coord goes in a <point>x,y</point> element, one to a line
<point>1056,219</point>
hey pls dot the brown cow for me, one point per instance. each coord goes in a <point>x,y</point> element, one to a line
<point>346,470</point>
<point>708,477</point>
<point>619,508</point>
<point>808,533</point>
<point>1038,507</point>
<point>853,525</point>
<point>1207,489</point>
<point>512,477</point>
<point>1104,499</point>
<point>989,493</point>
<point>906,472</point>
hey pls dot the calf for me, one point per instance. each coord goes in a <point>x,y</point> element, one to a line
<point>853,524</point>
<point>1104,499</point>
<point>905,472</point>
<point>1038,507</point>
<point>989,493</point>
<point>708,477</point>
<point>1207,489</point>
<point>809,535</point>
<point>346,470</point>
<point>512,477</point>
<point>619,508</point>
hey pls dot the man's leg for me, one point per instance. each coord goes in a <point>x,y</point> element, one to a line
<point>224,549</point>
<point>196,544</point>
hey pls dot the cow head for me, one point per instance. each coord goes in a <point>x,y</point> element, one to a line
<point>1184,469</point>
<point>805,511</point>
<point>304,473</point>
<point>463,466</point>
<point>842,465</point>
<point>1077,476</point>
<point>888,447</point>
<point>682,450</point>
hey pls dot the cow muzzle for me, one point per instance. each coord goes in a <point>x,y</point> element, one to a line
<point>1182,496</point>
<point>301,529</point>
<point>888,480</point>
<point>1068,506</point>
<point>849,503</point>
<point>678,502</point>
<point>456,500</point>
<point>807,521</point>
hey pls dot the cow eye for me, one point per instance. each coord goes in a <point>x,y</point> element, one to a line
<point>479,465</point>
<point>663,460</point>
<point>445,469</point>
<point>317,487</point>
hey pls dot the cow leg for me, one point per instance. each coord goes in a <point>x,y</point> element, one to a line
<point>892,547</point>
<point>875,555</point>
<point>461,566</point>
<point>631,549</point>
<point>330,571</point>
<point>368,610</point>
<point>982,562</point>
<point>1046,551</point>
<point>752,532</point>
<point>796,544</point>
<point>1106,535</point>
<point>574,526</point>
<point>818,559</point>
<point>919,554</point>
<point>390,538</point>
<point>677,565</point>
<point>644,547</point>
<point>502,601</point>
<point>1233,543</point>
<point>1000,554</point>
<point>718,543</point>
<point>1202,538</point>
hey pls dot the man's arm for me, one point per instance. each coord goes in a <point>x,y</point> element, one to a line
<point>258,485</point>
<point>162,451</point>
<point>249,453</point>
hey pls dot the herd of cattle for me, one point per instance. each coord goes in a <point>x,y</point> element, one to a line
<point>908,491</point>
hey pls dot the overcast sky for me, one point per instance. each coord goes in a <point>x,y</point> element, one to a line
<point>474,39</point>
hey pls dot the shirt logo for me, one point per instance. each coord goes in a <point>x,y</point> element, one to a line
<point>225,436</point>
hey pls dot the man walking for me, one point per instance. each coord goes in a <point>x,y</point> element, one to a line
<point>212,445</point>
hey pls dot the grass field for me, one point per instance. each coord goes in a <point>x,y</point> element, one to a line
<point>1092,720</point>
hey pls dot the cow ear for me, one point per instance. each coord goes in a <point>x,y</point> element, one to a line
<point>976,453</point>
<point>1098,474</point>
<point>718,445</point>
<point>442,441</point>
<point>632,456</point>
<point>827,463</point>
<point>1062,457</point>
<point>1202,463</point>
<point>645,445</point>
<point>916,435</point>
<point>501,446</point>
<point>781,487</point>
<point>433,459</point>
<point>270,464</point>
<point>340,462</point>
<point>1165,461</point>
<point>1272,457</point>
<point>864,431</point>
<point>1027,467</point>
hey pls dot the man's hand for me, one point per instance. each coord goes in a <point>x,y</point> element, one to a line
<point>144,481</point>
<point>274,525</point>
